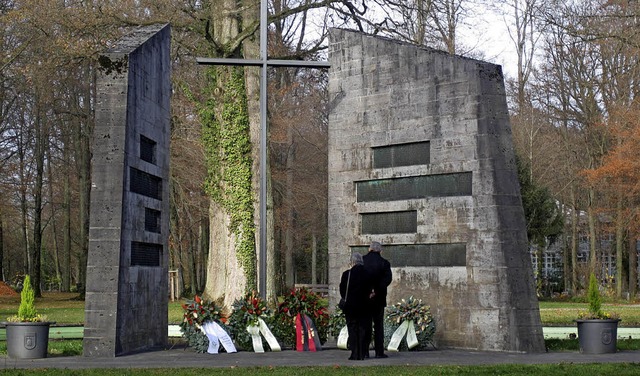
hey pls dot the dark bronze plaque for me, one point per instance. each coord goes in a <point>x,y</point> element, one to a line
<point>443,185</point>
<point>401,222</point>
<point>145,254</point>
<point>152,220</point>
<point>417,153</point>
<point>145,184</point>
<point>440,254</point>
<point>147,149</point>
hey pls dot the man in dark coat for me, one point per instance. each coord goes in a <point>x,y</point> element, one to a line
<point>355,287</point>
<point>379,270</point>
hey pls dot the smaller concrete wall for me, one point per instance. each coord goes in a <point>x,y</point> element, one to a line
<point>127,270</point>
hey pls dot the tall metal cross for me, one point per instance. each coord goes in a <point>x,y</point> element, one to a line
<point>263,63</point>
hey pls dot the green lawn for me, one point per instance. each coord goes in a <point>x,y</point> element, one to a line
<point>65,309</point>
<point>563,313</point>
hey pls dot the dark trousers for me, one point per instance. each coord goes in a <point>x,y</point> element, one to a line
<point>357,336</point>
<point>377,319</point>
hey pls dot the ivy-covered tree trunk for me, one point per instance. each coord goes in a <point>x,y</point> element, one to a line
<point>232,257</point>
<point>231,131</point>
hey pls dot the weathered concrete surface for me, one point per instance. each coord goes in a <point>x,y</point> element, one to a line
<point>388,93</point>
<point>127,297</point>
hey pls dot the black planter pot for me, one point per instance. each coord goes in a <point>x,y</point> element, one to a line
<point>598,336</point>
<point>27,340</point>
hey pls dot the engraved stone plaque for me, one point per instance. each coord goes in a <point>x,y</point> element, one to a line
<point>416,153</point>
<point>390,222</point>
<point>403,255</point>
<point>413,187</point>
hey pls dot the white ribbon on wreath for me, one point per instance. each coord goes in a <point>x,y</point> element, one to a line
<point>343,338</point>
<point>406,328</point>
<point>262,328</point>
<point>217,335</point>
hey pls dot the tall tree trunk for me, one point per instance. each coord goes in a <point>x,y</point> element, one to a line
<point>2,271</point>
<point>619,248</point>
<point>84,199</point>
<point>593,239</point>
<point>226,279</point>
<point>83,141</point>
<point>24,207</point>
<point>314,258</point>
<point>272,265</point>
<point>566,261</point>
<point>193,265</point>
<point>290,210</point>
<point>66,209</point>
<point>539,250</point>
<point>203,247</point>
<point>36,250</point>
<point>633,264</point>
<point>54,229</point>
<point>574,241</point>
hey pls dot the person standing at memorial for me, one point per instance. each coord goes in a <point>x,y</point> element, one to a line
<point>355,287</point>
<point>379,269</point>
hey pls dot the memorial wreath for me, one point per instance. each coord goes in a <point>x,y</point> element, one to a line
<point>196,313</point>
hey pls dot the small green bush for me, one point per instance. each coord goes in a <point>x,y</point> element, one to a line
<point>27,310</point>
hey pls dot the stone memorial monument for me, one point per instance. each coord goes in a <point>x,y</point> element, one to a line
<point>127,269</point>
<point>421,160</point>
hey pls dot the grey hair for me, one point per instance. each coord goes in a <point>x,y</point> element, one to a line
<point>356,259</point>
<point>375,247</point>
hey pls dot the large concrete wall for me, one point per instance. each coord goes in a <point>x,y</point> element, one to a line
<point>127,270</point>
<point>421,159</point>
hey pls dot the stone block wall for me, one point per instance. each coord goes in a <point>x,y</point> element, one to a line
<point>421,159</point>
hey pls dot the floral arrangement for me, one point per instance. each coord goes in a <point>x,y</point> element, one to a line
<point>414,310</point>
<point>595,303</point>
<point>246,311</point>
<point>305,302</point>
<point>27,310</point>
<point>197,312</point>
<point>337,321</point>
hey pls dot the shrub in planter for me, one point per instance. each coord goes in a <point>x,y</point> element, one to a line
<point>27,332</point>
<point>594,298</point>
<point>27,309</point>
<point>597,329</point>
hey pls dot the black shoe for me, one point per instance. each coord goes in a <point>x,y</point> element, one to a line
<point>381,356</point>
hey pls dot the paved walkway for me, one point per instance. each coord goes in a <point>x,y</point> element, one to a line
<point>182,357</point>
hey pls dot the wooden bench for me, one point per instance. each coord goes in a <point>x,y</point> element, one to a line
<point>317,288</point>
